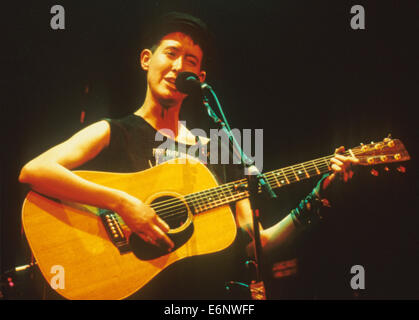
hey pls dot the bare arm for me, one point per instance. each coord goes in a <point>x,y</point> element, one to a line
<point>283,232</point>
<point>273,238</point>
<point>50,174</point>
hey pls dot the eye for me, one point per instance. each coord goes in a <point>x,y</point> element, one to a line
<point>191,62</point>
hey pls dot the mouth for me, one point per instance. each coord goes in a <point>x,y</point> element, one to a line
<point>170,79</point>
<point>171,82</point>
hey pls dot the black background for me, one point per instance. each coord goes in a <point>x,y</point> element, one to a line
<point>294,68</point>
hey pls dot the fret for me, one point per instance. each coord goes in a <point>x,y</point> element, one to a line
<point>229,194</point>
<point>310,169</point>
<point>223,195</point>
<point>305,171</point>
<point>234,190</point>
<point>301,172</point>
<point>195,202</point>
<point>205,196</point>
<point>210,200</point>
<point>275,175</point>
<point>242,192</point>
<point>317,169</point>
<point>327,163</point>
<point>281,179</point>
<point>292,169</point>
<point>203,201</point>
<point>285,177</point>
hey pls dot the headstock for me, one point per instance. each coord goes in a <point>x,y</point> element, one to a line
<point>387,151</point>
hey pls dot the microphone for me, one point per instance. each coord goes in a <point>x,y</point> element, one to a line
<point>188,82</point>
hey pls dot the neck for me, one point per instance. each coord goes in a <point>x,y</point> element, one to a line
<point>160,115</point>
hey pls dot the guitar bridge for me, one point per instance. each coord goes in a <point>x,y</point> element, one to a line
<point>114,231</point>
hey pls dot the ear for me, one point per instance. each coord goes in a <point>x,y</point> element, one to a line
<point>145,58</point>
<point>202,75</point>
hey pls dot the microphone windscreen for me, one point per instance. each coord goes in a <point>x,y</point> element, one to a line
<point>187,82</point>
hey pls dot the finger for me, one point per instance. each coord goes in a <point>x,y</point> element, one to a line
<point>337,162</point>
<point>336,168</point>
<point>338,154</point>
<point>341,149</point>
<point>346,159</point>
<point>162,224</point>
<point>341,157</point>
<point>162,238</point>
<point>147,238</point>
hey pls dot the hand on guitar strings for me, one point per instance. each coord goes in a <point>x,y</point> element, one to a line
<point>143,220</point>
<point>342,167</point>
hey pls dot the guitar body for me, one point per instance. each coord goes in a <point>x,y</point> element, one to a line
<point>74,238</point>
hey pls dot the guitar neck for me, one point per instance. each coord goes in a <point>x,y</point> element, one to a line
<point>237,190</point>
<point>386,151</point>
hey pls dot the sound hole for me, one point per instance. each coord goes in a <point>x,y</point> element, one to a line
<point>172,210</point>
<point>175,213</point>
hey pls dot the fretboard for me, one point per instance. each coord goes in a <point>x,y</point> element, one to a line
<point>237,190</point>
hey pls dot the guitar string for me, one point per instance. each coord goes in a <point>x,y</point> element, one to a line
<point>309,165</point>
<point>201,198</point>
<point>203,195</point>
<point>200,206</point>
<point>181,211</point>
<point>207,206</point>
<point>285,170</point>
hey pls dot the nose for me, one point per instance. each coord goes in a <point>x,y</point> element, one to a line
<point>178,64</point>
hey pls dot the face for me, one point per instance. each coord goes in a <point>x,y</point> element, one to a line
<point>176,53</point>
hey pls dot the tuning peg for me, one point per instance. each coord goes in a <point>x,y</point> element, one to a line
<point>363,147</point>
<point>374,172</point>
<point>386,169</point>
<point>401,169</point>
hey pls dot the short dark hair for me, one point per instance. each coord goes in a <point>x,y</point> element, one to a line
<point>187,24</point>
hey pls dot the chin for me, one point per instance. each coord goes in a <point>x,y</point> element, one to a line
<point>170,98</point>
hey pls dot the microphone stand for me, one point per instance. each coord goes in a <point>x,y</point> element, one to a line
<point>254,178</point>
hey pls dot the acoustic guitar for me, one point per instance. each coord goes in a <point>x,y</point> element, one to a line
<point>100,258</point>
